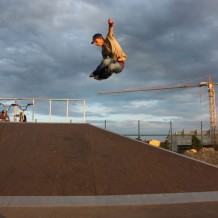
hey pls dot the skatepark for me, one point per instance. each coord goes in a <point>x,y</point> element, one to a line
<point>78,170</point>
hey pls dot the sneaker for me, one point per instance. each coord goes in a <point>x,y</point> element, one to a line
<point>92,74</point>
<point>97,77</point>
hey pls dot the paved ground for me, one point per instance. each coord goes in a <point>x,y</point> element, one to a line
<point>82,160</point>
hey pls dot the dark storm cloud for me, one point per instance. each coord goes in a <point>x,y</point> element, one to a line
<point>38,47</point>
<point>177,39</point>
<point>46,52</point>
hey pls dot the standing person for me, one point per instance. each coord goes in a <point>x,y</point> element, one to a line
<point>22,117</point>
<point>112,53</point>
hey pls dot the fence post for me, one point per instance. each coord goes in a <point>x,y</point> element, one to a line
<point>201,134</point>
<point>105,124</point>
<point>171,136</point>
<point>139,137</point>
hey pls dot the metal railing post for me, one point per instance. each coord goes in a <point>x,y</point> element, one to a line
<point>67,111</point>
<point>84,111</point>
<point>50,110</point>
<point>15,110</point>
<point>33,109</point>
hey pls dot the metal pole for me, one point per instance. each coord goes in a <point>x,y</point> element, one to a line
<point>171,136</point>
<point>50,111</point>
<point>201,134</point>
<point>33,110</point>
<point>105,124</point>
<point>139,130</point>
<point>84,111</point>
<point>67,111</point>
<point>15,110</point>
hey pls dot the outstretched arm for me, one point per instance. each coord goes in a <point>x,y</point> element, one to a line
<point>110,27</point>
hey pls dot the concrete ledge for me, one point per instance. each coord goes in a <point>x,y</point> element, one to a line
<point>111,200</point>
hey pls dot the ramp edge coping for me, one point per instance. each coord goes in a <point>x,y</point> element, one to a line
<point>108,200</point>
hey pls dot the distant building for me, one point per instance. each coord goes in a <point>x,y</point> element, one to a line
<point>183,140</point>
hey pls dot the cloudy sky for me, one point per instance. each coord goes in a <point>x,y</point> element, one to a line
<point>46,52</point>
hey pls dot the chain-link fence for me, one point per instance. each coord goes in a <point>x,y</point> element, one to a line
<point>178,135</point>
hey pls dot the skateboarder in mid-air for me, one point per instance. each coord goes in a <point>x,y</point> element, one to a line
<point>113,55</point>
